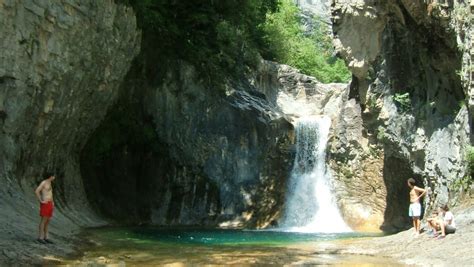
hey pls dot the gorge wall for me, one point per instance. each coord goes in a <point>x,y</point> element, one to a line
<point>211,157</point>
<point>412,82</point>
<point>137,139</point>
<point>361,197</point>
<point>61,65</point>
<point>131,142</point>
<point>407,112</point>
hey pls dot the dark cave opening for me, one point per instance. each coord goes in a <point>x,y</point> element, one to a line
<point>120,164</point>
<point>396,172</point>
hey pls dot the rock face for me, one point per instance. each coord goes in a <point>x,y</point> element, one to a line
<point>163,147</point>
<point>360,191</point>
<point>61,64</point>
<point>414,107</point>
<point>124,147</point>
<point>315,16</point>
<point>172,152</point>
<point>320,8</point>
<point>296,94</point>
<point>238,144</point>
<point>214,157</point>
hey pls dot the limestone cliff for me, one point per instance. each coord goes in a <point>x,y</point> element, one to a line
<point>361,200</point>
<point>140,139</point>
<point>208,156</point>
<point>131,139</point>
<point>61,64</point>
<point>171,151</point>
<point>412,83</point>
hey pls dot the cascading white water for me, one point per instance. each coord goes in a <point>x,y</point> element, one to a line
<point>310,205</point>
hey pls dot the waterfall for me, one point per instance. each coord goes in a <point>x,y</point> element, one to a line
<point>310,205</point>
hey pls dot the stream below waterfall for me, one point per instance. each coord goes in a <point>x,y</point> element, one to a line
<point>188,246</point>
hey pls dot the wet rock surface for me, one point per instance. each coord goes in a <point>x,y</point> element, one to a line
<point>61,64</point>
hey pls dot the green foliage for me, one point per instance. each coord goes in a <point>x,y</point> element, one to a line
<point>460,73</point>
<point>210,34</point>
<point>313,55</point>
<point>227,37</point>
<point>347,172</point>
<point>372,102</point>
<point>462,185</point>
<point>465,184</point>
<point>470,160</point>
<point>374,152</point>
<point>381,133</point>
<point>403,100</point>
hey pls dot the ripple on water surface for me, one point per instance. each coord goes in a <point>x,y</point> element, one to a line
<point>158,246</point>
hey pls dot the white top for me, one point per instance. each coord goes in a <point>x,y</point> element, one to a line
<point>448,216</point>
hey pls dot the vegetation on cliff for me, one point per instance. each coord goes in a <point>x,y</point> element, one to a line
<point>470,160</point>
<point>313,54</point>
<point>228,37</point>
<point>215,36</point>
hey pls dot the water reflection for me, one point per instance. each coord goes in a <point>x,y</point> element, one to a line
<point>158,246</point>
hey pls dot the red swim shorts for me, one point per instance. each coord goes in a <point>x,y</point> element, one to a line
<point>46,209</point>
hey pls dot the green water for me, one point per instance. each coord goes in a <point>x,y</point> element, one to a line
<point>161,246</point>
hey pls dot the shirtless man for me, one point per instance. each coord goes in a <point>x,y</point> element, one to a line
<point>415,207</point>
<point>44,193</point>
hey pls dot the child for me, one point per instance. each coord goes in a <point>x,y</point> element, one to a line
<point>433,223</point>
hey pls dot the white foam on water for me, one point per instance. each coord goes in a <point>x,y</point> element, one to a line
<point>310,205</point>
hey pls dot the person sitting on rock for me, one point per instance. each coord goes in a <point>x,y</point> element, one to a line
<point>447,224</point>
<point>433,222</point>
